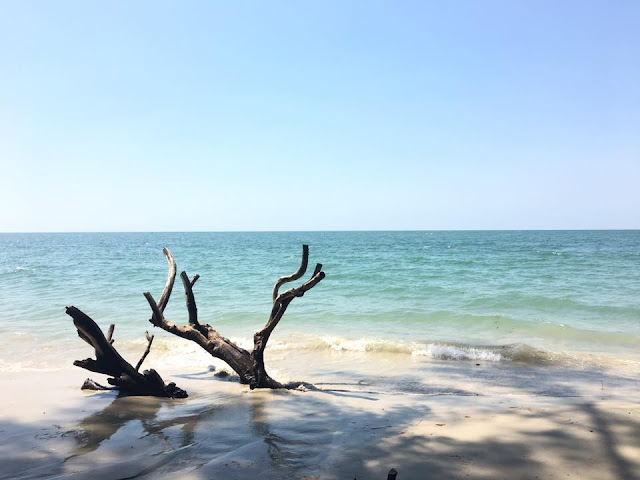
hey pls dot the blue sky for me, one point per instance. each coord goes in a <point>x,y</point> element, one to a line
<point>162,116</point>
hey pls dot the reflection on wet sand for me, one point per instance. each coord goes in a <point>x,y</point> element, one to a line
<point>501,426</point>
<point>98,427</point>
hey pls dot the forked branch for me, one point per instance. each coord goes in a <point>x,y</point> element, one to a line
<point>295,275</point>
<point>249,366</point>
<point>280,303</point>
<point>146,352</point>
<point>109,362</point>
<point>168,287</point>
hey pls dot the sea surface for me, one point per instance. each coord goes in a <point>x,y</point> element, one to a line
<point>509,298</point>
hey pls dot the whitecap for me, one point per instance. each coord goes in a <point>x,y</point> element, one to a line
<point>452,352</point>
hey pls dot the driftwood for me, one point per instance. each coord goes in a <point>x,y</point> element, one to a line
<point>248,365</point>
<point>108,361</point>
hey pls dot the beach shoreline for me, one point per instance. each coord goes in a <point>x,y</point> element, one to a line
<point>347,429</point>
<point>441,354</point>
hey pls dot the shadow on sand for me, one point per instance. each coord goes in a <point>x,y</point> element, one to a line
<point>346,432</point>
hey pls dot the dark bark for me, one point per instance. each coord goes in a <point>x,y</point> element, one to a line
<point>280,304</point>
<point>109,362</point>
<point>146,352</point>
<point>248,365</point>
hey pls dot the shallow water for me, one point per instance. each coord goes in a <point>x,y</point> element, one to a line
<point>543,298</point>
<point>464,354</point>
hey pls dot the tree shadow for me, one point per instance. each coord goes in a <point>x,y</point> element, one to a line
<point>351,430</point>
<point>99,427</point>
<point>27,449</point>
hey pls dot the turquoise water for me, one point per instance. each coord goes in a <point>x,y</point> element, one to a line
<point>495,296</point>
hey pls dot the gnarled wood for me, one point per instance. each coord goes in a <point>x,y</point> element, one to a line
<point>280,304</point>
<point>109,362</point>
<point>295,275</point>
<point>248,365</point>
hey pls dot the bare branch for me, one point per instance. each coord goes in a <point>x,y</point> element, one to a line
<point>194,279</point>
<point>248,365</point>
<point>146,352</point>
<point>168,287</point>
<point>281,301</point>
<point>109,362</point>
<point>208,338</point>
<point>294,276</point>
<point>190,299</point>
<point>110,333</point>
<point>284,299</point>
<point>157,318</point>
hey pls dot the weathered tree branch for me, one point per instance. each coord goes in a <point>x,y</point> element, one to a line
<point>109,362</point>
<point>189,298</point>
<point>168,287</point>
<point>146,352</point>
<point>280,304</point>
<point>110,333</point>
<point>294,276</point>
<point>249,366</point>
<point>208,338</point>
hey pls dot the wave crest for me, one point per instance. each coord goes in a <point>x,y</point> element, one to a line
<point>436,350</point>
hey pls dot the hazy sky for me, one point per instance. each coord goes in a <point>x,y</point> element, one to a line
<point>136,116</point>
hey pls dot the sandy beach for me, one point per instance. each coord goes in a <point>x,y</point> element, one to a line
<point>343,430</point>
<point>471,364</point>
<point>399,235</point>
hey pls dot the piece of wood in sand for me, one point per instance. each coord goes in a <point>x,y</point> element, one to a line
<point>109,362</point>
<point>248,365</point>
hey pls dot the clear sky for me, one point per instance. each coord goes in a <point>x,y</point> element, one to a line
<point>161,116</point>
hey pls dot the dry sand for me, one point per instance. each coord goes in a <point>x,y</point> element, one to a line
<point>50,429</point>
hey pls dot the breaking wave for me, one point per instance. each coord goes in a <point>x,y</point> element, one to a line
<point>436,350</point>
<point>175,353</point>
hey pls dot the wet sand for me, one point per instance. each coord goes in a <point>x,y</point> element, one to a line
<point>341,430</point>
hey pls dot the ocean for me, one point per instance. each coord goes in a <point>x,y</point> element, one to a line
<point>411,303</point>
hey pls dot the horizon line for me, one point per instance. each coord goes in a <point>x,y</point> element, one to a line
<point>332,231</point>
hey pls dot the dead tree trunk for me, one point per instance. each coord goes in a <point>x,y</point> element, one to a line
<point>109,362</point>
<point>248,365</point>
